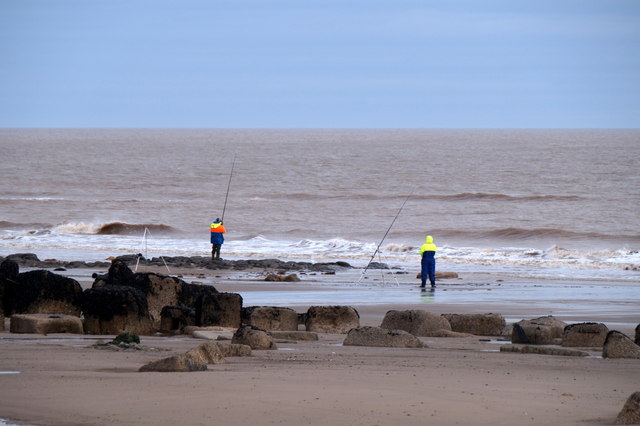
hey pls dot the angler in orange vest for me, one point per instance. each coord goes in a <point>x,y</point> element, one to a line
<point>217,238</point>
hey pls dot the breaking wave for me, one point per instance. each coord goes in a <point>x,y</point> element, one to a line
<point>113,228</point>
<point>516,234</point>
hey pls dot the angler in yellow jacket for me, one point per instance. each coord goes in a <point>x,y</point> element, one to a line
<point>217,238</point>
<point>428,253</point>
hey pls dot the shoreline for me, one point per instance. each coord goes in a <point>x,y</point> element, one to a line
<point>60,379</point>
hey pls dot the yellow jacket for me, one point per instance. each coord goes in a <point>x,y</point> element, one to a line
<point>428,246</point>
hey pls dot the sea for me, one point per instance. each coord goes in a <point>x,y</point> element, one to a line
<point>535,203</point>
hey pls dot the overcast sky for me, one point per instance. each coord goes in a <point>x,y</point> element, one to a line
<point>320,63</point>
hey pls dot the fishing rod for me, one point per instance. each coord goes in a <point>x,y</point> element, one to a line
<point>228,186</point>
<point>385,235</point>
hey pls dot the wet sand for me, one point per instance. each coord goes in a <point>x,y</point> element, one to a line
<point>61,380</point>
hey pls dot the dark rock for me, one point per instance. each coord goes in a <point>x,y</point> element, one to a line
<point>478,324</point>
<point>254,337</point>
<point>540,331</point>
<point>45,292</point>
<point>416,322</point>
<point>270,318</point>
<point>28,260</point>
<point>176,318</point>
<point>116,309</point>
<point>191,293</point>
<point>637,339</point>
<point>619,345</point>
<point>630,413</point>
<point>587,334</point>
<point>221,309</point>
<point>381,337</point>
<point>9,271</point>
<point>331,319</point>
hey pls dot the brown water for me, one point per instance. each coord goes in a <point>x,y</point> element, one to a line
<point>324,193</point>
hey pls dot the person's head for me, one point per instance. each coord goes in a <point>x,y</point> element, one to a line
<point>218,220</point>
<point>429,239</point>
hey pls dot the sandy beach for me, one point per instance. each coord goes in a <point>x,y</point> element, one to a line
<point>61,379</point>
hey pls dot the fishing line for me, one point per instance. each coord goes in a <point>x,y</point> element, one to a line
<point>228,186</point>
<point>385,236</point>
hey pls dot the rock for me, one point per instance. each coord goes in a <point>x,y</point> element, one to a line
<point>331,319</point>
<point>176,318</point>
<point>271,318</point>
<point>116,309</point>
<point>416,322</point>
<point>543,350</point>
<point>539,331</point>
<point>9,271</point>
<point>44,292</point>
<point>637,340</point>
<point>630,413</point>
<point>254,337</point>
<point>29,260</point>
<point>192,294</point>
<point>176,363</point>
<point>283,278</point>
<point>381,337</point>
<point>222,309</point>
<point>45,324</point>
<point>233,349</point>
<point>478,324</point>
<point>206,353</point>
<point>619,345</point>
<point>294,335</point>
<point>160,290</point>
<point>584,335</point>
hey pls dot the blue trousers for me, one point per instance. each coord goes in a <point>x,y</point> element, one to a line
<point>428,271</point>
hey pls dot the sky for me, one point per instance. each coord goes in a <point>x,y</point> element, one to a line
<point>320,63</point>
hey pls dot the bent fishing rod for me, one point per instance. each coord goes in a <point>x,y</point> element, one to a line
<point>385,234</point>
<point>228,186</point>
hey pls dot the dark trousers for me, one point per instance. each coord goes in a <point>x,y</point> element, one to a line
<point>215,251</point>
<point>428,271</point>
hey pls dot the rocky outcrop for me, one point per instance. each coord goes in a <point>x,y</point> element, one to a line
<point>585,335</point>
<point>381,337</point>
<point>619,345</point>
<point>542,350</point>
<point>637,339</point>
<point>540,331</point>
<point>331,319</point>
<point>416,322</point>
<point>254,337</point>
<point>478,324</point>
<point>45,324</point>
<point>282,278</point>
<point>9,271</point>
<point>271,318</point>
<point>174,319</point>
<point>176,363</point>
<point>630,413</point>
<point>116,309</point>
<point>221,309</point>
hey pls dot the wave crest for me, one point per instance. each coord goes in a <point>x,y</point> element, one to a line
<point>113,228</point>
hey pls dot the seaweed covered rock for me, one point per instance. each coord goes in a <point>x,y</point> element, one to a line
<point>175,318</point>
<point>586,334</point>
<point>254,337</point>
<point>331,319</point>
<point>416,322</point>
<point>539,331</point>
<point>381,337</point>
<point>116,309</point>
<point>9,271</point>
<point>192,293</point>
<point>478,324</point>
<point>42,291</point>
<point>271,318</point>
<point>159,290</point>
<point>221,309</point>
